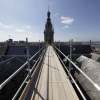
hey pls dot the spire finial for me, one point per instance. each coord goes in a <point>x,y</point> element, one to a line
<point>48,8</point>
<point>48,13</point>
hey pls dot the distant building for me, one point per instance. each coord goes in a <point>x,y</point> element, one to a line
<point>49,30</point>
<point>10,41</point>
<point>15,41</point>
<point>21,41</point>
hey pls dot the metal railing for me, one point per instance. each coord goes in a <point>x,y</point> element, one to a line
<point>78,88</point>
<point>17,71</point>
<point>16,94</point>
<point>94,84</point>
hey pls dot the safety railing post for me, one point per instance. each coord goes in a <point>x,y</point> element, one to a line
<point>70,54</point>
<point>27,48</point>
<point>39,47</point>
<point>59,46</point>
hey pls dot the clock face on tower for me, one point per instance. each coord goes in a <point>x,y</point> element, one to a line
<point>49,31</point>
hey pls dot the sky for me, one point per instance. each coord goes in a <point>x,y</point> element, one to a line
<point>72,19</point>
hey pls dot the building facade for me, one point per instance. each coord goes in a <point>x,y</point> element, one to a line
<point>49,30</point>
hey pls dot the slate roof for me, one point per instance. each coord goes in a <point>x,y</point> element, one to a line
<point>21,50</point>
<point>8,67</point>
<point>78,49</point>
<point>95,57</point>
<point>0,58</point>
<point>92,69</point>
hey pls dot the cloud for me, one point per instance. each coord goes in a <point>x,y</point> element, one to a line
<point>33,34</point>
<point>56,14</point>
<point>36,34</point>
<point>1,32</point>
<point>1,24</point>
<point>65,27</point>
<point>19,30</point>
<point>28,26</point>
<point>70,34</point>
<point>5,26</point>
<point>66,20</point>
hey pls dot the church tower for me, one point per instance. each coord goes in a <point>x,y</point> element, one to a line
<point>49,30</point>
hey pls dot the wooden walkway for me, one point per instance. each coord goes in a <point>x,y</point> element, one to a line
<point>52,82</point>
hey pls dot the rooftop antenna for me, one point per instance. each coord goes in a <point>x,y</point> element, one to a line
<point>9,36</point>
<point>27,48</point>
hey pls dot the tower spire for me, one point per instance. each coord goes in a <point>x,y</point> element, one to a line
<point>48,13</point>
<point>49,30</point>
